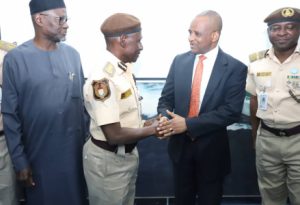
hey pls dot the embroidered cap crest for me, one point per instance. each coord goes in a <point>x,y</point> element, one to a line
<point>101,89</point>
<point>287,12</point>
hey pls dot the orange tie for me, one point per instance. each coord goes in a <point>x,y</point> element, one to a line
<point>195,96</point>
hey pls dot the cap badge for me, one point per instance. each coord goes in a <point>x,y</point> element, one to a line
<point>287,12</point>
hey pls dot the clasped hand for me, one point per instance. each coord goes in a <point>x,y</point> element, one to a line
<point>167,127</point>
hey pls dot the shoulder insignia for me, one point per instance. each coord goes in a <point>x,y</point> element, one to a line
<point>101,89</point>
<point>6,46</point>
<point>109,69</point>
<point>257,55</point>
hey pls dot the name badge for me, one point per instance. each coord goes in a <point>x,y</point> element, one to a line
<point>263,74</point>
<point>263,101</point>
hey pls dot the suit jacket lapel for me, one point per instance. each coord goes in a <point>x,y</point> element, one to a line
<point>215,78</point>
<point>186,77</point>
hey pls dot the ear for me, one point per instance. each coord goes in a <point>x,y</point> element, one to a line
<point>123,40</point>
<point>38,19</point>
<point>215,36</point>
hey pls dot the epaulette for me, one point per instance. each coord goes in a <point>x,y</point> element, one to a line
<point>109,69</point>
<point>257,55</point>
<point>6,46</point>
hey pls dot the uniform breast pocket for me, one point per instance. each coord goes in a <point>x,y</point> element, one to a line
<point>263,82</point>
<point>128,102</point>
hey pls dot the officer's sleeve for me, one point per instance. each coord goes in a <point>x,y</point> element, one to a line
<point>105,111</point>
<point>11,114</point>
<point>250,85</point>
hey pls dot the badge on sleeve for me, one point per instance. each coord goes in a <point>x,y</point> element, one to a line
<point>101,89</point>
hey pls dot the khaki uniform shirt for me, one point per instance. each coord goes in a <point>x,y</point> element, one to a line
<point>267,76</point>
<point>111,96</point>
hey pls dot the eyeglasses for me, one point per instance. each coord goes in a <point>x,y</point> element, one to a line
<point>61,19</point>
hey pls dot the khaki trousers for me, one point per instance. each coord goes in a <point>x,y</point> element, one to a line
<point>110,177</point>
<point>278,168</point>
<point>8,194</point>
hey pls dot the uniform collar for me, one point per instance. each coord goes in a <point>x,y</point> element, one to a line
<point>272,56</point>
<point>271,51</point>
<point>117,63</point>
<point>297,50</point>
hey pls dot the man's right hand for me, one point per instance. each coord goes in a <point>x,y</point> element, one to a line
<point>164,129</point>
<point>25,177</point>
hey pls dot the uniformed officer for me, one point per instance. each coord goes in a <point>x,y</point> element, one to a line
<point>274,82</point>
<point>112,101</point>
<point>7,174</point>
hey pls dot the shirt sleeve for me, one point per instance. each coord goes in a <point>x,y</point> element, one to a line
<point>11,114</point>
<point>104,111</point>
<point>250,85</point>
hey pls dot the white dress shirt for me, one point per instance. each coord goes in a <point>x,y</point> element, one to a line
<point>208,64</point>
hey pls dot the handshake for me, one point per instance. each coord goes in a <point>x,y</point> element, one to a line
<point>165,127</point>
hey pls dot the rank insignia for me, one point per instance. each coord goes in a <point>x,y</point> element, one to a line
<point>101,89</point>
<point>109,69</point>
<point>258,55</point>
<point>6,46</point>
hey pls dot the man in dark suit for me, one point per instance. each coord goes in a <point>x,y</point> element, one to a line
<point>199,147</point>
